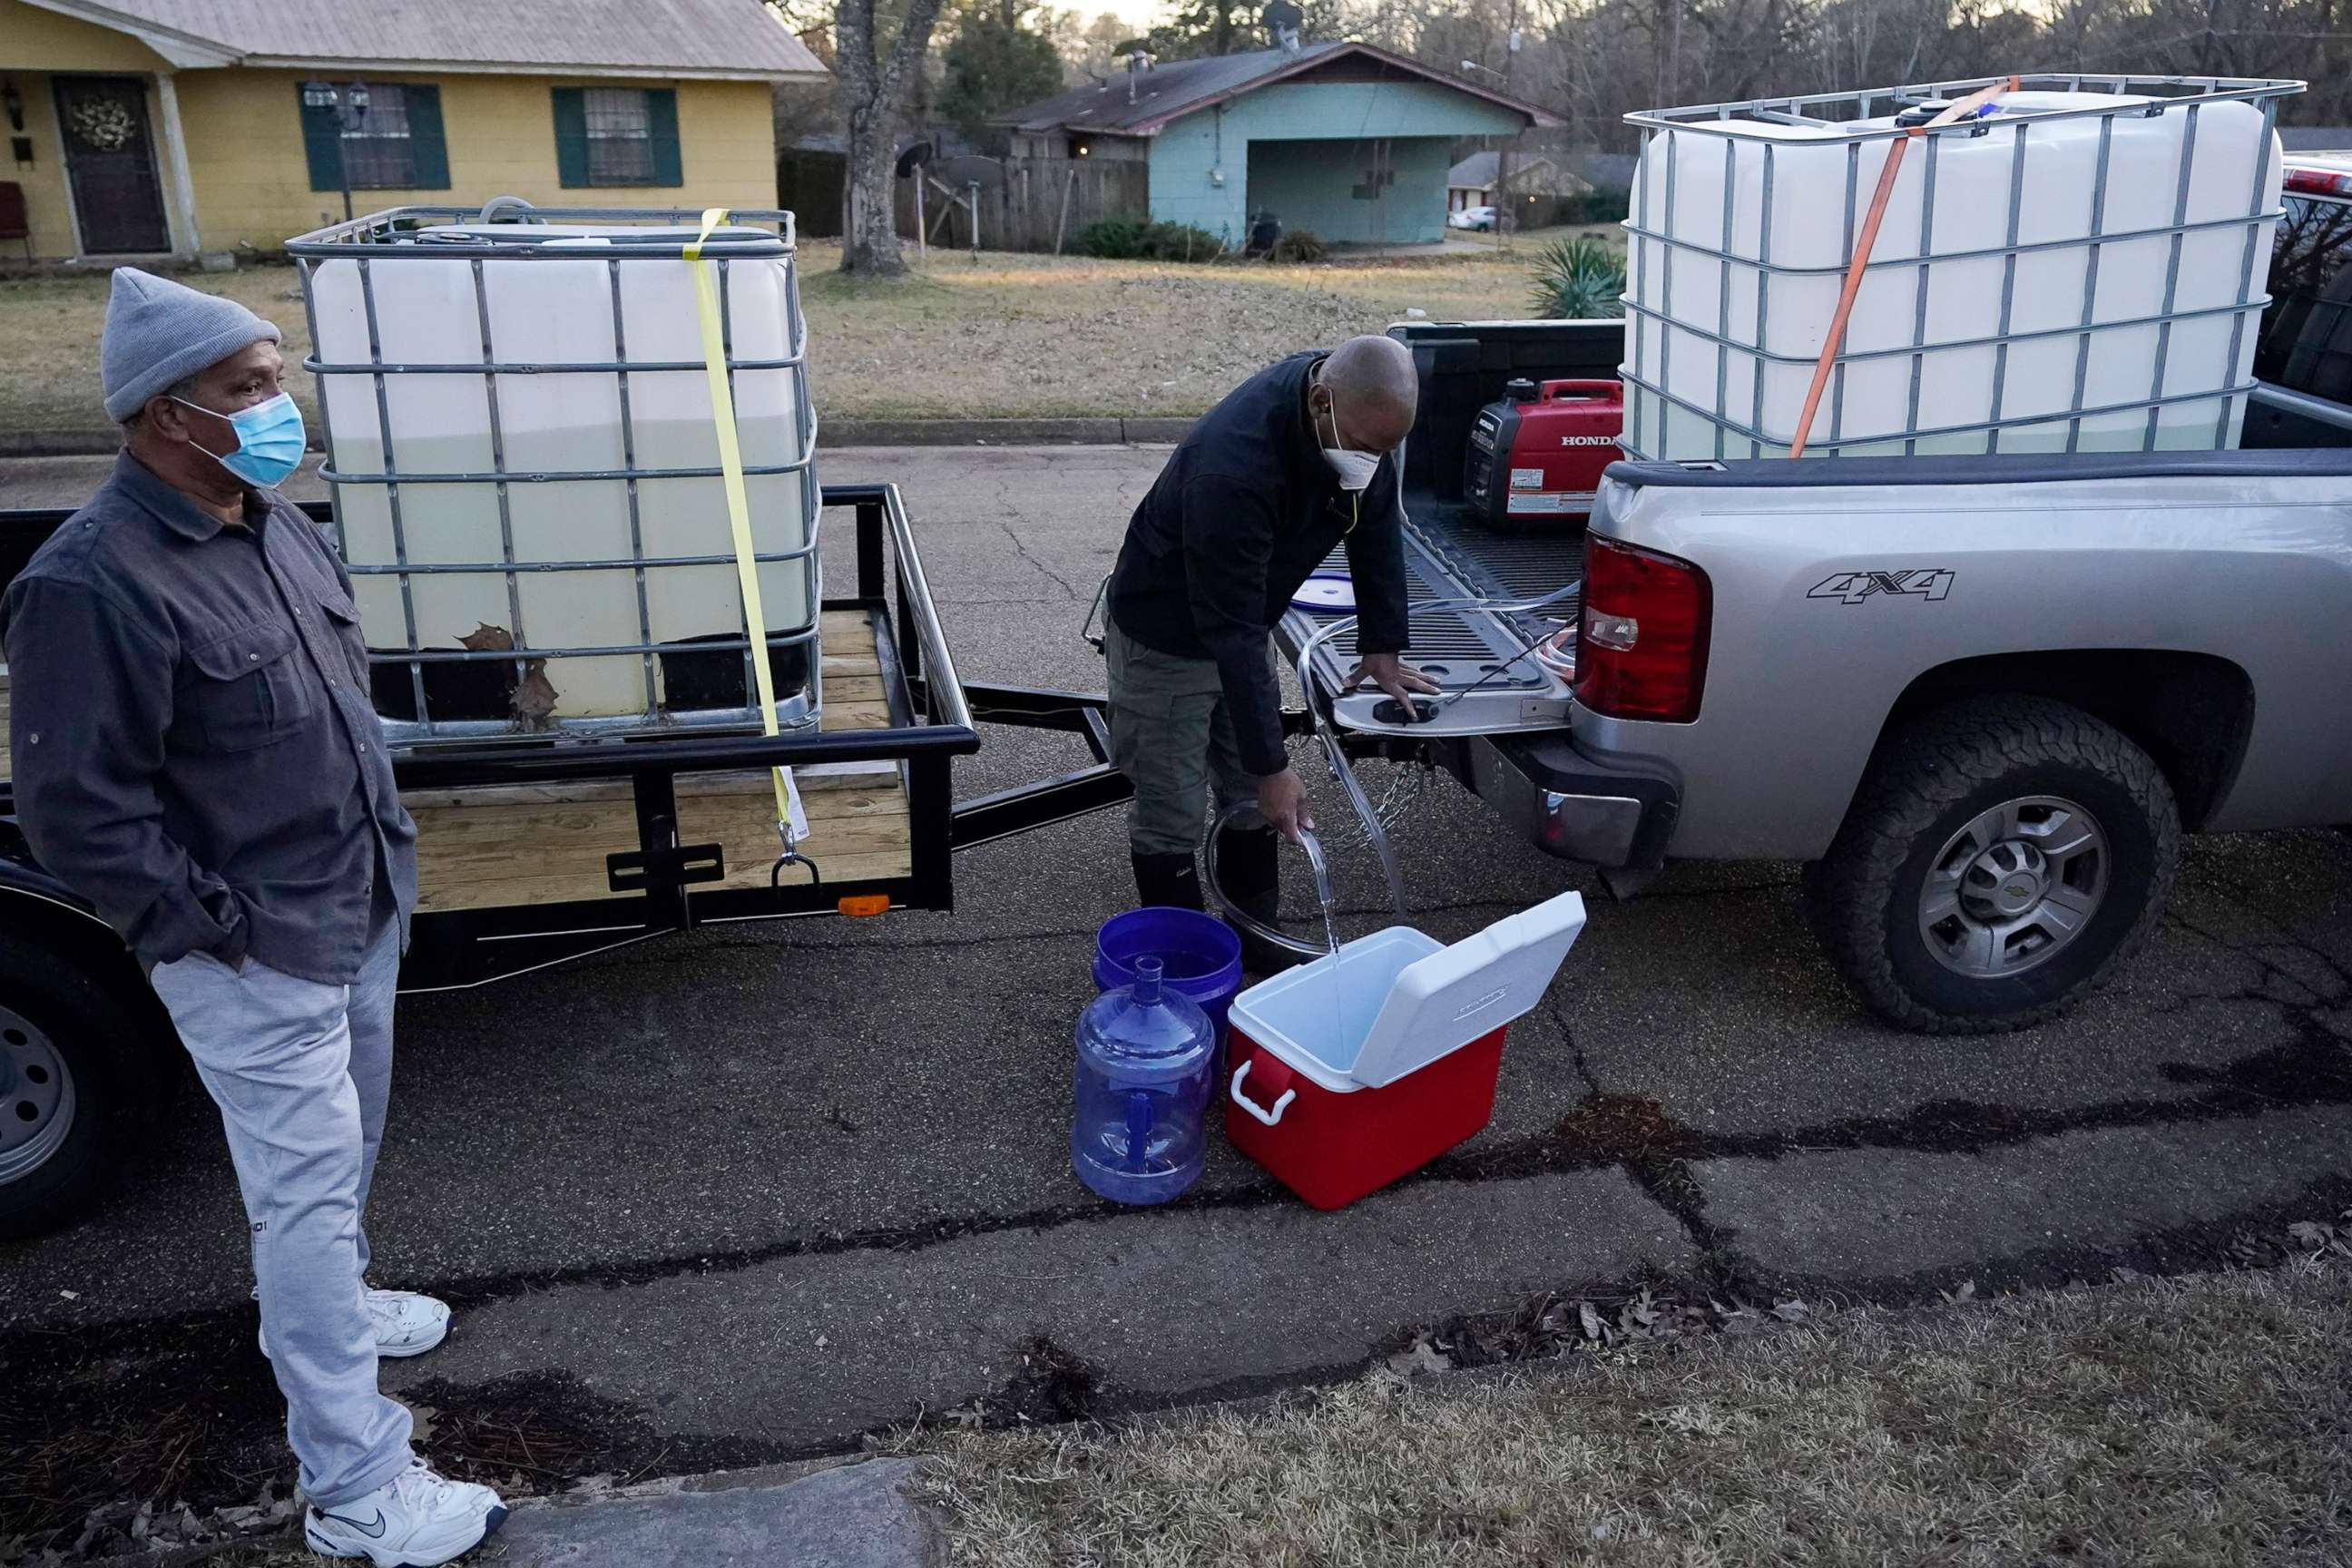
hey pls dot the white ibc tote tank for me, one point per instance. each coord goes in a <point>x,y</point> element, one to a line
<point>2072,270</point>
<point>545,488</point>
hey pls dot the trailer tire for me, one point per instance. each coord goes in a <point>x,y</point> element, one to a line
<point>77,1071</point>
<point>1936,901</point>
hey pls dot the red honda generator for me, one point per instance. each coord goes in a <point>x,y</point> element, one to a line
<point>1536,457</point>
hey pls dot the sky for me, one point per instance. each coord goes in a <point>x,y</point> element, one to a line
<point>1142,12</point>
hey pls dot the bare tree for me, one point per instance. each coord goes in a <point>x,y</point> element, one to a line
<point>877,75</point>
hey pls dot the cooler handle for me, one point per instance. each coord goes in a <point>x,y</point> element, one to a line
<point>1268,1116</point>
<point>1570,388</point>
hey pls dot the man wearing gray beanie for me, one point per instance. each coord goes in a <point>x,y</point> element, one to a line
<point>197,754</point>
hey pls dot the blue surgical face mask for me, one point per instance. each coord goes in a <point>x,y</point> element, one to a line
<point>270,440</point>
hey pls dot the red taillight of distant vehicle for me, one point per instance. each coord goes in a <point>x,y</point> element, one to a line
<point>1646,617</point>
<point>2318,182</point>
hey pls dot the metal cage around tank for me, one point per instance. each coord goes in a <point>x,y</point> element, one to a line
<point>1744,434</point>
<point>402,235</point>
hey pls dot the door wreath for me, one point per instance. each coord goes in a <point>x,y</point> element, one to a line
<point>102,126</point>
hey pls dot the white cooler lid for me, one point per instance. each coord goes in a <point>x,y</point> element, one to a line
<point>1473,988</point>
<point>1439,1000</point>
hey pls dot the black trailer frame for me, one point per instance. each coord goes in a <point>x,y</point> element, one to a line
<point>933,718</point>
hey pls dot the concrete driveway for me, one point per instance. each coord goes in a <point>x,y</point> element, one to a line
<point>753,1193</point>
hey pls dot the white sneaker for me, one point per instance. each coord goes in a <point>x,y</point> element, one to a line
<point>417,1519</point>
<point>406,1324</point>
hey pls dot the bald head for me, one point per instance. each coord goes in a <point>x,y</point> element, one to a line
<point>1368,390</point>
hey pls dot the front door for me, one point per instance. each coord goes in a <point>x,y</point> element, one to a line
<point>110,164</point>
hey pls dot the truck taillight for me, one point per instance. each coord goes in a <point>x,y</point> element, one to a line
<point>1647,616</point>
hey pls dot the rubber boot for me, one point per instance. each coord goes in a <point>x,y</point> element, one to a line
<point>1166,882</point>
<point>1249,871</point>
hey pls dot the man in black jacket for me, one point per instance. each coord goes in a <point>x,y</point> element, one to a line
<point>1296,460</point>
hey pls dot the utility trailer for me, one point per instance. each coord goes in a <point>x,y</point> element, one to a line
<point>533,854</point>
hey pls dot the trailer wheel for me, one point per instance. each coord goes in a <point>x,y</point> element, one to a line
<point>2001,858</point>
<point>76,1077</point>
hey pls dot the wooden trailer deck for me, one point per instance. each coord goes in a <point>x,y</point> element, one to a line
<point>495,845</point>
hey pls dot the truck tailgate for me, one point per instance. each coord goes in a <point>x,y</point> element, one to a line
<point>1483,655</point>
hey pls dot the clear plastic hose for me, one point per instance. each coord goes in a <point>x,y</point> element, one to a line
<point>1375,834</point>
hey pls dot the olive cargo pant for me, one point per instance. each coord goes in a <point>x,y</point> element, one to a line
<point>1171,736</point>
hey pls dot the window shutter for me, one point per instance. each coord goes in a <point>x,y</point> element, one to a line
<point>570,137</point>
<point>322,144</point>
<point>661,124</point>
<point>428,149</point>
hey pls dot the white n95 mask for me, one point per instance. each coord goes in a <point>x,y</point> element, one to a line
<point>1355,469</point>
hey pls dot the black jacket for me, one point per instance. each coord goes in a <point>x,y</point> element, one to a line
<point>1245,510</point>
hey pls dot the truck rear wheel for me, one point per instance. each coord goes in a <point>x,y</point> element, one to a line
<point>75,1079</point>
<point>2001,858</point>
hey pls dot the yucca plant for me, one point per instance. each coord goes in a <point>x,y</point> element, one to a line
<point>1579,279</point>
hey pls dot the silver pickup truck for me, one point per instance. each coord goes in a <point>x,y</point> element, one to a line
<point>1981,697</point>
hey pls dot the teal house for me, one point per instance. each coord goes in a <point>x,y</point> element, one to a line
<point>1344,140</point>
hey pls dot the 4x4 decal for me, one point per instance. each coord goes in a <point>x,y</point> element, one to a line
<point>1853,587</point>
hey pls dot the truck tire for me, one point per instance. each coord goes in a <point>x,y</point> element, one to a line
<point>78,1078</point>
<point>2002,858</point>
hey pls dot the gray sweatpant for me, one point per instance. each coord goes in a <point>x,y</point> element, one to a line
<point>1171,735</point>
<point>301,1072</point>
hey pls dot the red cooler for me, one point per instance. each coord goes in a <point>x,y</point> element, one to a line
<point>1369,1063</point>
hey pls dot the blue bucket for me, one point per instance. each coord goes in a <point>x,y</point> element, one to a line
<point>1200,957</point>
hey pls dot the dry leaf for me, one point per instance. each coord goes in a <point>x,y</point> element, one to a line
<point>1966,1290</point>
<point>1422,1358</point>
<point>1591,1320</point>
<point>1790,1311</point>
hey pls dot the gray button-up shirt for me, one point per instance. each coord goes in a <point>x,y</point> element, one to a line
<point>194,747</point>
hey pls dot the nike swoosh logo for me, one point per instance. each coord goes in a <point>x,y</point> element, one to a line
<point>372,1530</point>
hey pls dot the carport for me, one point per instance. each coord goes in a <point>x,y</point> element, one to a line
<point>1389,190</point>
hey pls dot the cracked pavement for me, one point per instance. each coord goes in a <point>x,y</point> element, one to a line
<point>750,1192</point>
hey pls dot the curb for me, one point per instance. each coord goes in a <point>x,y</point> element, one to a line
<point>1095,431</point>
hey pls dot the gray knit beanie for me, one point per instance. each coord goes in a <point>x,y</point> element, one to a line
<point>159,332</point>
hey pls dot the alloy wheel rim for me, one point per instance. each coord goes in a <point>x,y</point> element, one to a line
<point>2014,886</point>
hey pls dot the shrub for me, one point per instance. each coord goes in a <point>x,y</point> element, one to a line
<point>1113,238</point>
<point>1579,279</point>
<point>1298,247</point>
<point>1594,206</point>
<point>1127,237</point>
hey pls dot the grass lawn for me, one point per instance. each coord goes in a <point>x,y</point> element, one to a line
<point>2197,1421</point>
<point>1005,336</point>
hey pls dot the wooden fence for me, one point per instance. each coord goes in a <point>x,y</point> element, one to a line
<point>1023,204</point>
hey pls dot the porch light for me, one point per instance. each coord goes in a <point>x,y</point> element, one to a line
<point>14,102</point>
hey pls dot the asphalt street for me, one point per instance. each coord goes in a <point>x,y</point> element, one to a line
<point>752,1193</point>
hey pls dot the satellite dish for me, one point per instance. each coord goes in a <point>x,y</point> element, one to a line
<point>917,154</point>
<point>1282,16</point>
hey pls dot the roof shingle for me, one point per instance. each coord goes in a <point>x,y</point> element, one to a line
<point>653,38</point>
<point>1169,91</point>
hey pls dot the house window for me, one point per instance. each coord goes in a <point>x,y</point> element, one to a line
<point>394,143</point>
<point>616,136</point>
<point>620,136</point>
<point>379,152</point>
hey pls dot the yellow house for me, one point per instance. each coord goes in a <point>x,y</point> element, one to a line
<point>207,128</point>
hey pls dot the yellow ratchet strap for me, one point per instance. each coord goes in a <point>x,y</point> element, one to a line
<point>738,503</point>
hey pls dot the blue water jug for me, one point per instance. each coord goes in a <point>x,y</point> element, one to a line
<point>1145,1056</point>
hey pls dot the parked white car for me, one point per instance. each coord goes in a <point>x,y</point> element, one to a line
<point>1479,218</point>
